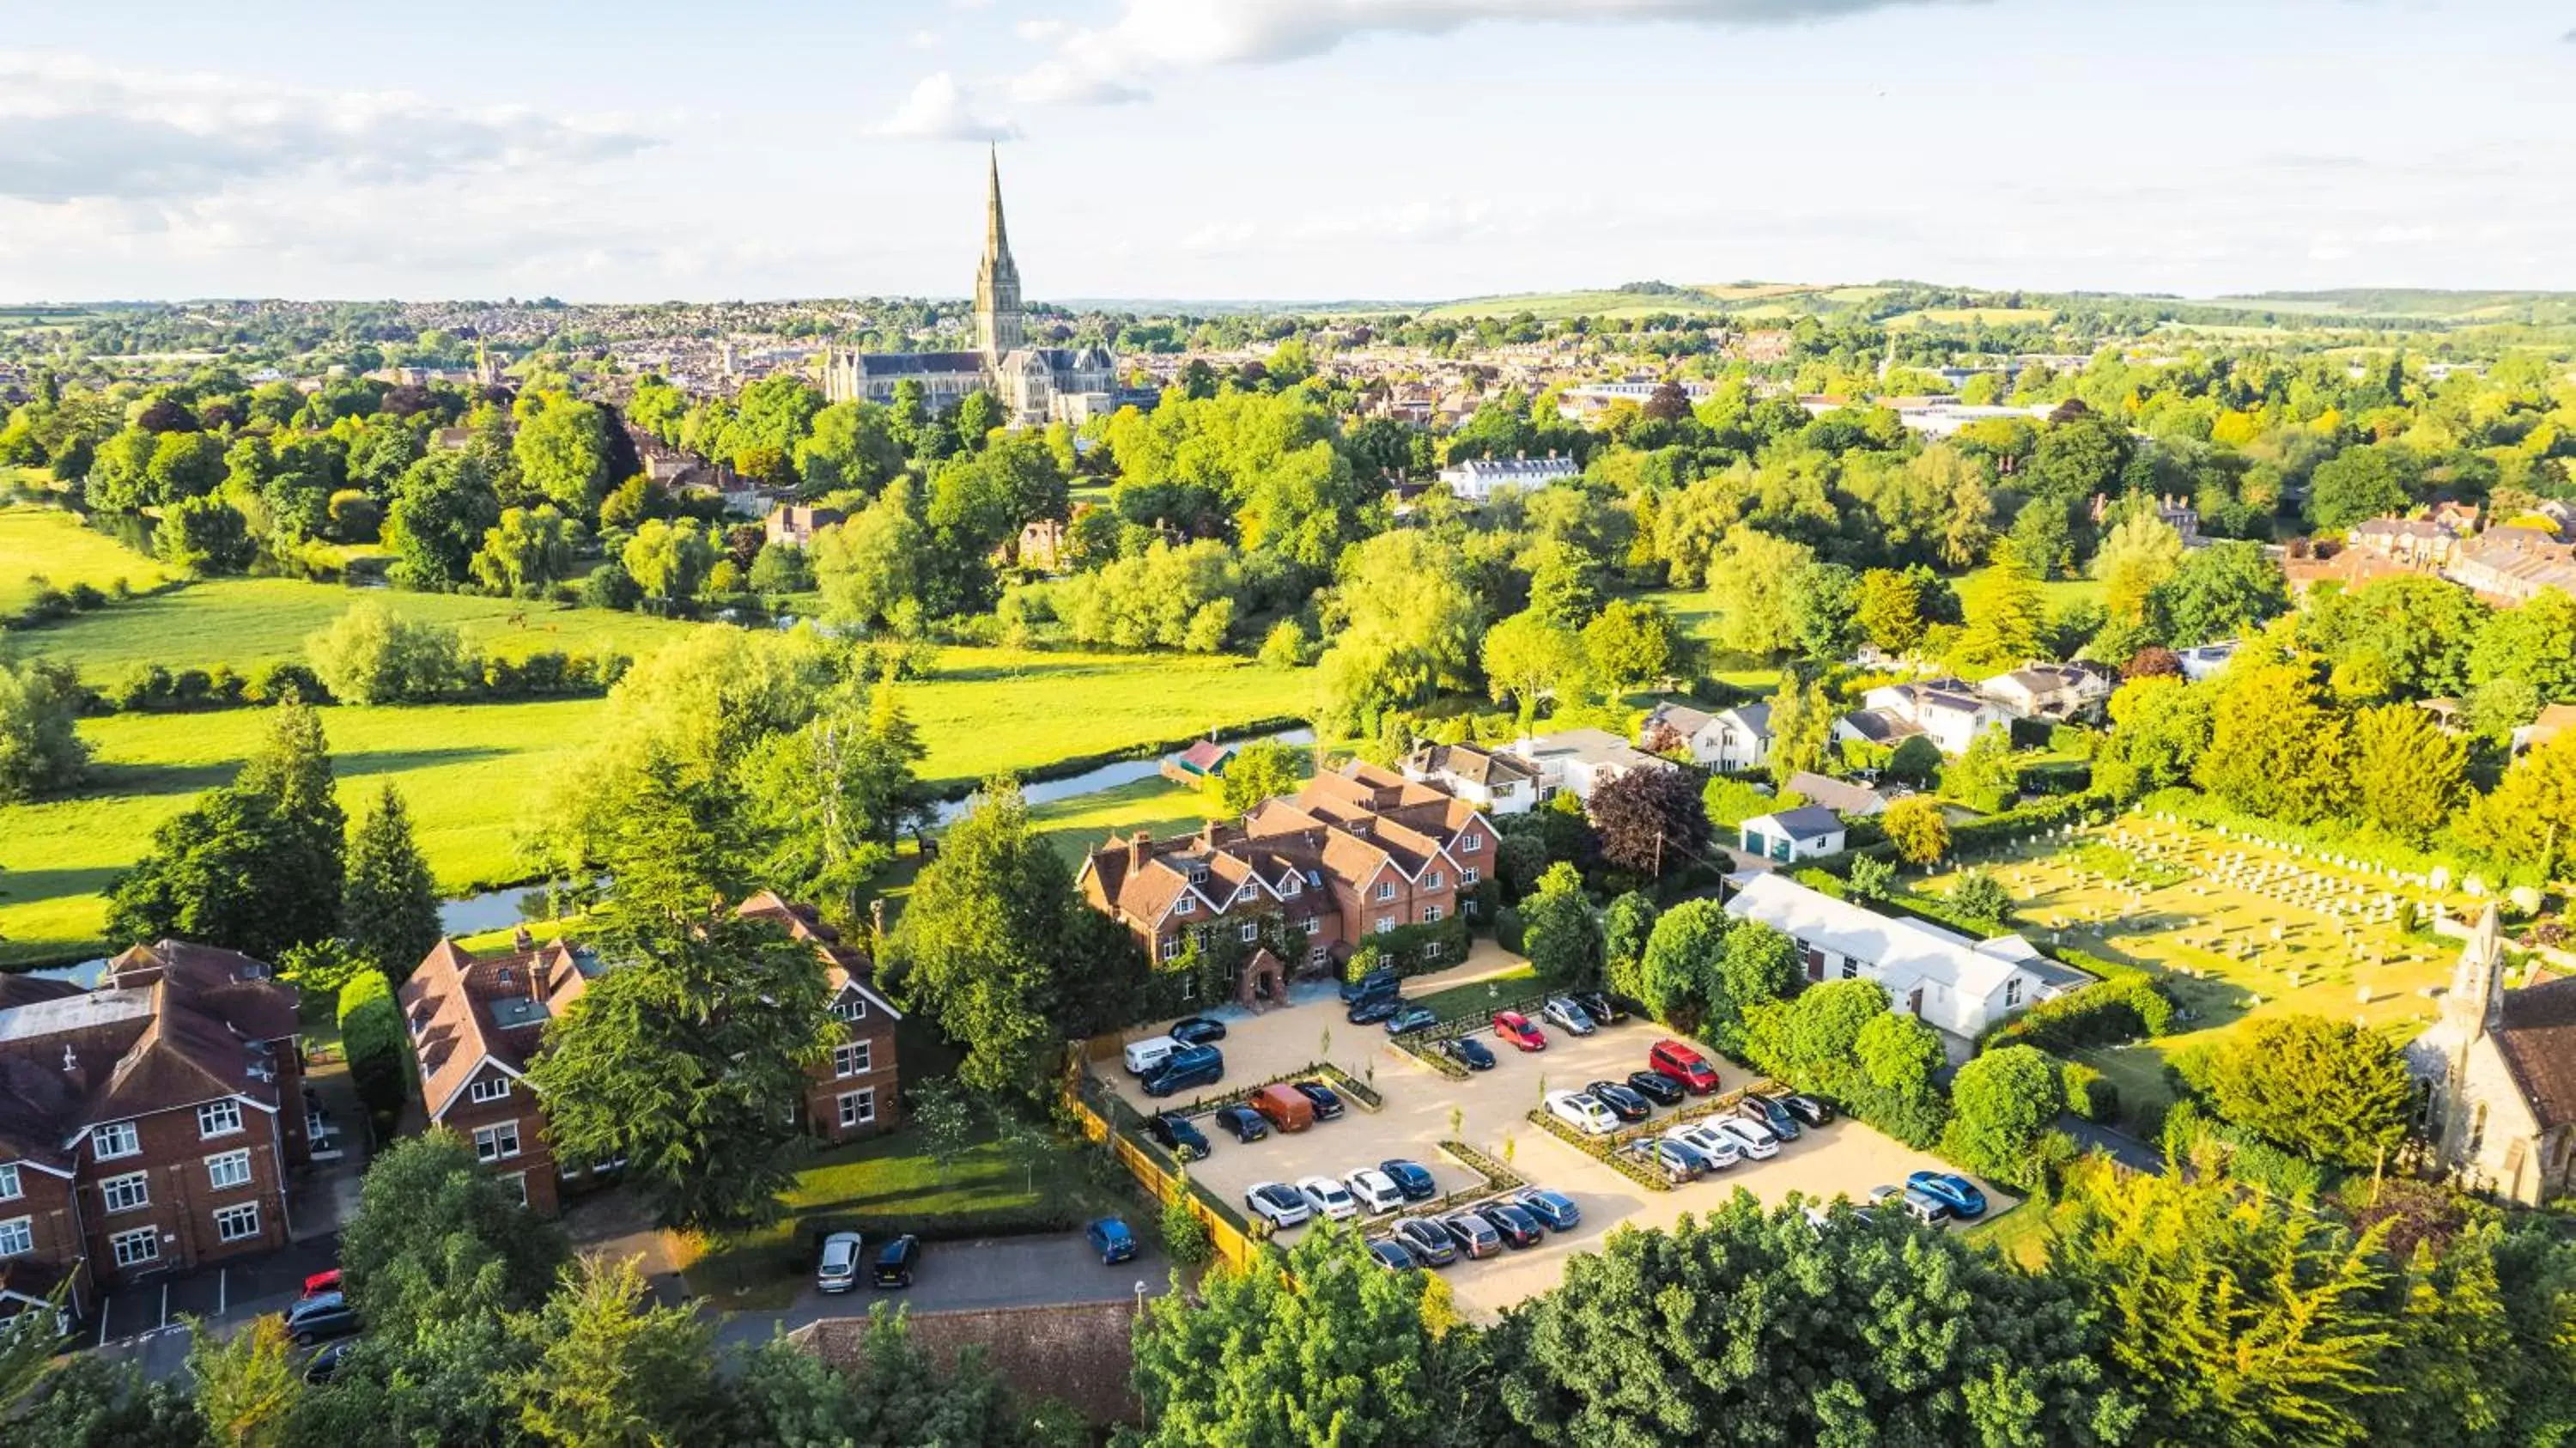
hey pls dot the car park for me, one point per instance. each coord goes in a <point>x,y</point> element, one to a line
<point>1717,1149</point>
<point>1753,1136</point>
<point>1582,1113</point>
<point>1757,1107</point>
<point>896,1260</point>
<point>1554,1210</point>
<point>1472,1235</point>
<point>838,1268</point>
<point>1681,1063</point>
<point>1177,1136</point>
<point>1429,1242</point>
<point>1328,1197</point>
<point>1327,1104</point>
<point>321,1318</point>
<point>1188,1067</point>
<point>1951,1190</point>
<point>1563,1011</point>
<point>1374,1009</point>
<point>1603,1007</point>
<point>1411,1178</point>
<point>1284,1107</point>
<point>1517,1228</point>
<point>1657,1087</point>
<point>1278,1204</point>
<point>1810,1110</point>
<point>1375,983</point>
<point>1246,1123</point>
<point>1469,1052</point>
<point>1110,1237</point>
<point>1374,1190</point>
<point>1514,1027</point>
<point>1392,1255</point>
<point>1411,1019</point>
<point>1624,1103</point>
<point>1197,1030</point>
<point>1675,1160</point>
<point>1147,1056</point>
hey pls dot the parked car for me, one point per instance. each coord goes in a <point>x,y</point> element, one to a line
<point>1717,1148</point>
<point>838,1268</point>
<point>1951,1190</point>
<point>896,1260</point>
<point>1555,1210</point>
<point>1278,1204</point>
<point>1374,1190</point>
<point>1411,1019</point>
<point>1197,1030</point>
<point>319,1319</point>
<point>1574,1018</point>
<point>1469,1052</point>
<point>1187,1068</point>
<point>1657,1087</point>
<point>1328,1197</point>
<point>1243,1121</point>
<point>1601,1006</point>
<point>1429,1242</point>
<point>1110,1237</point>
<point>1914,1204</point>
<point>323,1366</point>
<point>1677,1162</point>
<point>1327,1103</point>
<point>327,1280</point>
<point>1514,1027</point>
<point>1810,1110</point>
<point>1680,1062</point>
<point>1757,1107</point>
<point>1177,1135</point>
<point>1147,1056</point>
<point>1411,1178</point>
<point>1625,1104</point>
<point>1373,1009</point>
<point>1472,1235</point>
<point>1756,1138</point>
<point>1380,982</point>
<point>1284,1107</point>
<point>1582,1113</point>
<point>1517,1228</point>
<point>1392,1255</point>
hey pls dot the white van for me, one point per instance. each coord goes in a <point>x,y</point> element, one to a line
<point>1143,1057</point>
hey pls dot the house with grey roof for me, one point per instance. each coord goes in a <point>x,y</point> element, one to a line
<point>1948,710</point>
<point>1495,781</point>
<point>1799,833</point>
<point>1730,739</point>
<point>1581,760</point>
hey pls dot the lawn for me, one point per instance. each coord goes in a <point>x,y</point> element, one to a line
<point>52,544</point>
<point>993,710</point>
<point>1158,806</point>
<point>1480,998</point>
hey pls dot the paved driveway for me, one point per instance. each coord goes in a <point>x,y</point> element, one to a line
<point>1011,1272</point>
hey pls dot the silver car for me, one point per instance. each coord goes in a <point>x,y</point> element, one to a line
<point>839,1269</point>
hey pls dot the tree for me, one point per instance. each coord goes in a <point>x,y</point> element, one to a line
<point>2408,637</point>
<point>1758,965</point>
<point>1749,585</point>
<point>373,655</point>
<point>1872,880</point>
<point>2159,731</point>
<point>1264,769</point>
<point>41,751</point>
<point>2219,592</point>
<point>1978,895</point>
<point>2042,538</point>
<point>1813,1040</point>
<point>1410,622</point>
<point>204,536</point>
<point>871,569</point>
<point>669,561</point>
<point>2141,553</point>
<point>1900,1060</point>
<point>1918,829</point>
<point>1985,777</point>
<point>826,802</point>
<point>442,507</point>
<point>781,568</point>
<point>611,1371</point>
<point>1559,930</point>
<point>373,1041</point>
<point>2534,642</point>
<point>1824,611</point>
<point>1915,760</point>
<point>2328,1090</point>
<point>1627,646</point>
<point>389,905</point>
<point>2408,775</point>
<point>2274,747</point>
<point>1889,610</point>
<point>527,552</point>
<point>2005,613</point>
<point>1680,961</point>
<point>563,451</point>
<point>1625,928</point>
<point>2530,817</point>
<point>852,446</point>
<point>1651,821</point>
<point>896,1392</point>
<point>439,1244</point>
<point>1802,724</point>
<point>247,1385</point>
<point>1328,1350</point>
<point>2001,1103</point>
<point>2359,484</point>
<point>1527,658</point>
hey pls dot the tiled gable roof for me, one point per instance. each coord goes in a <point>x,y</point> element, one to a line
<point>463,1009</point>
<point>2537,1039</point>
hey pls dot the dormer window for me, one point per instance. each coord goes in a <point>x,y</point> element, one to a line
<point>1288,886</point>
<point>1183,906</point>
<point>1244,895</point>
<point>1198,874</point>
<point>852,1006</point>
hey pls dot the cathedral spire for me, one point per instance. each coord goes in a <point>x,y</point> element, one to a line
<point>997,241</point>
<point>999,330</point>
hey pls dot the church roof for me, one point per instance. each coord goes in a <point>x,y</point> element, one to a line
<point>2537,1039</point>
<point>916,364</point>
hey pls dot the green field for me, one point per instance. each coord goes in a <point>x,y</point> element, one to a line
<point>50,544</point>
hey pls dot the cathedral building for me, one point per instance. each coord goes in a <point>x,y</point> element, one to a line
<point>1033,384</point>
<point>2499,1075</point>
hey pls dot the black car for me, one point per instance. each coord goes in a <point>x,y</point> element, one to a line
<point>325,1365</point>
<point>1758,1107</point>
<point>896,1261</point>
<point>1513,1224</point>
<point>1603,1007</point>
<point>1809,1109</point>
<point>1177,1135</point>
<point>1393,1255</point>
<point>1469,1052</point>
<point>1369,987</point>
<point>1625,1104</point>
<point>1411,1178</point>
<point>1197,1031</point>
<point>319,1319</point>
<point>1429,1242</point>
<point>1243,1121</point>
<point>1370,1010</point>
<point>1657,1087</point>
<point>1327,1105</point>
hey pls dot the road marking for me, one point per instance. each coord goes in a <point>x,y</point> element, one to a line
<point>223,1289</point>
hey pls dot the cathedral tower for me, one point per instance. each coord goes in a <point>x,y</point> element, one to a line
<point>998,330</point>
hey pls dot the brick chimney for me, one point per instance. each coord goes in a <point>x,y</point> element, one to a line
<point>1140,848</point>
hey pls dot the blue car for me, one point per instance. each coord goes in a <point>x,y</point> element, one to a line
<point>1410,1019</point>
<point>1951,1190</point>
<point>1110,1238</point>
<point>1411,1178</point>
<point>1555,1210</point>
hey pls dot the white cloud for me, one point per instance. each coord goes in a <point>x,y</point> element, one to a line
<point>1151,38</point>
<point>937,110</point>
<point>71,129</point>
<point>925,40</point>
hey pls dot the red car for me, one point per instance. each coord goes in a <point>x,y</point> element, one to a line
<point>1681,1063</point>
<point>321,1282</point>
<point>1514,1027</point>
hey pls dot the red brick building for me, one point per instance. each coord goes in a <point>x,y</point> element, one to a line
<point>853,1094</point>
<point>146,1125</point>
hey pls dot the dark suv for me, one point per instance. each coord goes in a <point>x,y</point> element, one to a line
<point>895,1263</point>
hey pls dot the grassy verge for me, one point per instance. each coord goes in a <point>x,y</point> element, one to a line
<point>2019,1232</point>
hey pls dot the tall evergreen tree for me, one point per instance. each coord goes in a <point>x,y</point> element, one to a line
<point>389,907</point>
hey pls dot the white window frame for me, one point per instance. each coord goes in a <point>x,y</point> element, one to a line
<point>1467,876</point>
<point>1246,895</point>
<point>1386,889</point>
<point>1386,925</point>
<point>852,1006</point>
<point>17,1236</point>
<point>1431,881</point>
<point>493,1087</point>
<point>1172,948</point>
<point>1289,886</point>
<point>1251,931</point>
<point>518,1183</point>
<point>1431,950</point>
<point>2012,991</point>
<point>228,1171</point>
<point>1312,924</point>
<point>1183,906</point>
<point>1430,914</point>
<point>852,1058</point>
<point>218,1118</point>
<point>115,1141</point>
<point>134,1248</point>
<point>487,1141</point>
<point>12,1187</point>
<point>237,1223</point>
<point>131,1192</point>
<point>858,1108</point>
<point>1470,843</point>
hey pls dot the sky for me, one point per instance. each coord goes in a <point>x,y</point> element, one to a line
<point>1280,149</point>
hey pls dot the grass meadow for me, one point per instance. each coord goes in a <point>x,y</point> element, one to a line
<point>50,544</point>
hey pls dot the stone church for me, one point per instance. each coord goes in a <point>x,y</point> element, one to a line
<point>2499,1072</point>
<point>1033,384</point>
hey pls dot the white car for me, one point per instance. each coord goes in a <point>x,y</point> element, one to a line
<point>1722,1150</point>
<point>1328,1197</point>
<point>1757,1140</point>
<point>1375,1190</point>
<point>1575,1019</point>
<point>1281,1206</point>
<point>1584,1113</point>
